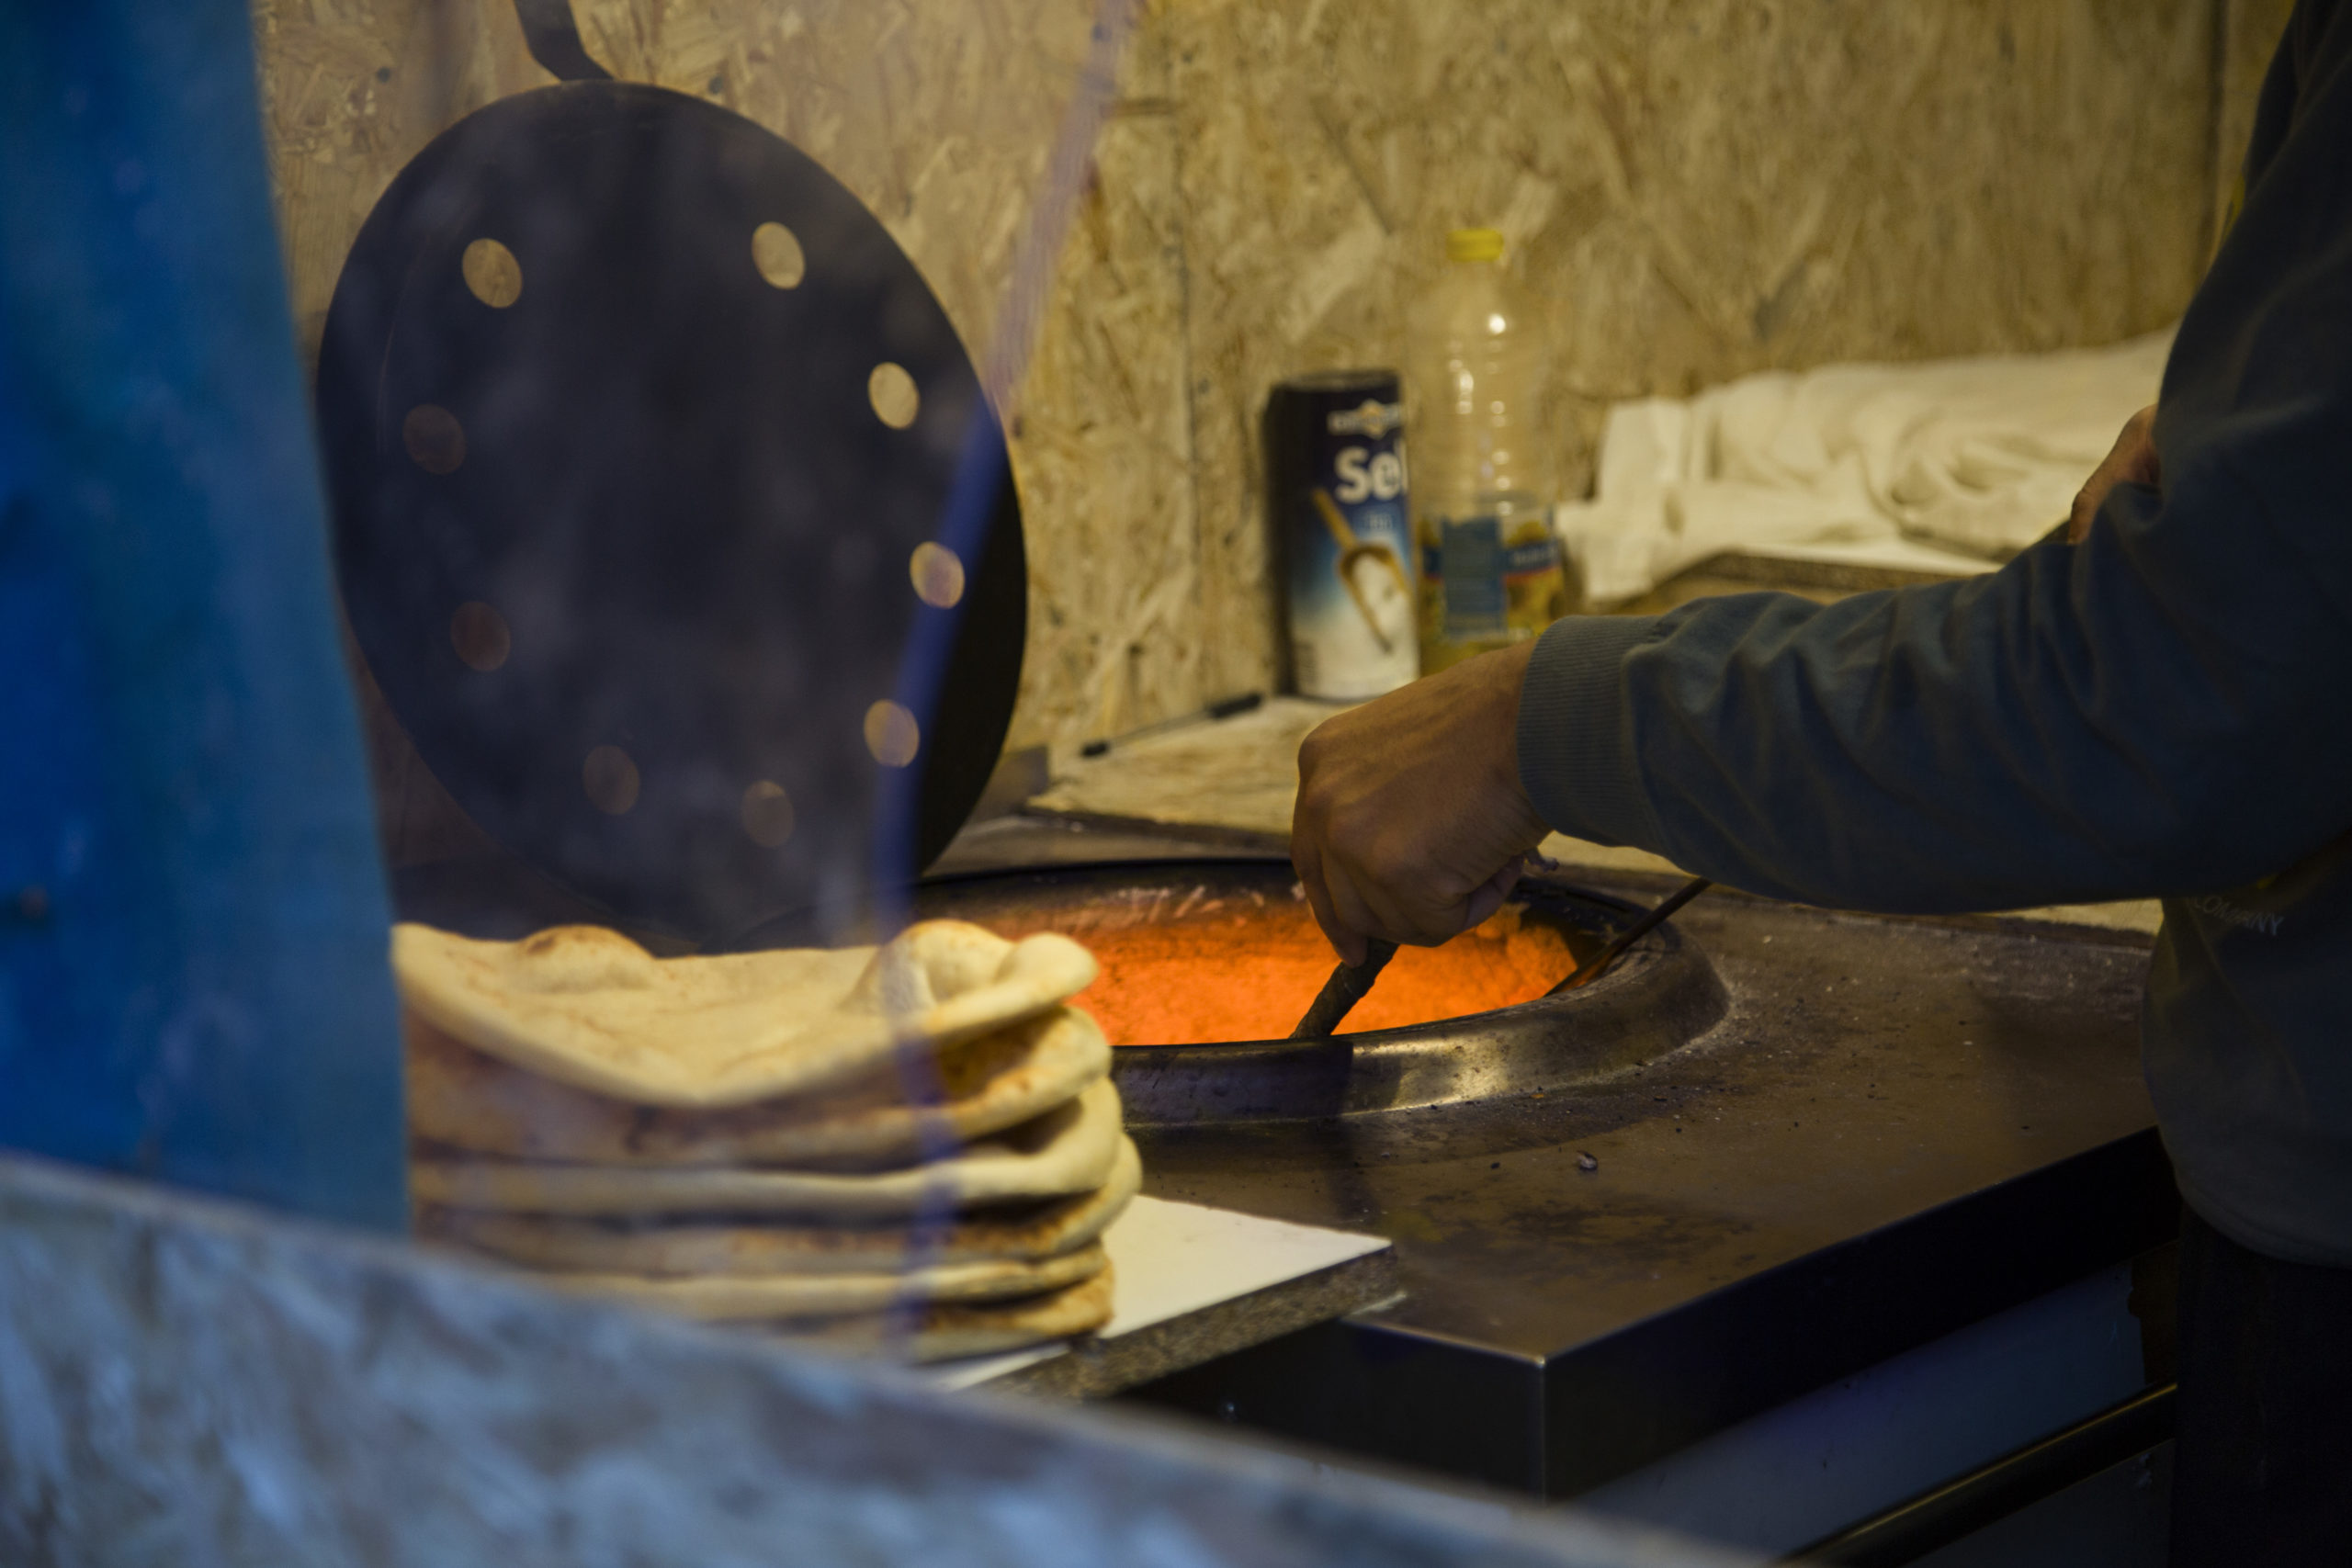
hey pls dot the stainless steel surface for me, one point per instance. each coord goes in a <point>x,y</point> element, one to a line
<point>1888,1129</point>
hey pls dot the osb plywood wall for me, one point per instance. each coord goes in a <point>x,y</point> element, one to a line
<point>1694,188</point>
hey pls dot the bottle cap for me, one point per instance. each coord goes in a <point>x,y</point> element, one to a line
<point>1474,245</point>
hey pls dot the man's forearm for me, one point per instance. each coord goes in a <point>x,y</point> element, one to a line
<point>2070,728</point>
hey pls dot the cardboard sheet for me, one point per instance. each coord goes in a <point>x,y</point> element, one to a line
<point>1169,1259</point>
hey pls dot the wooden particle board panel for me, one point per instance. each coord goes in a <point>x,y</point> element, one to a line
<point>1692,192</point>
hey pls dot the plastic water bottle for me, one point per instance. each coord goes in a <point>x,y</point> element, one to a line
<point>1482,478</point>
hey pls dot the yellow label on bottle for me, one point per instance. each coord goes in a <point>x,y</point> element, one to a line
<point>1486,584</point>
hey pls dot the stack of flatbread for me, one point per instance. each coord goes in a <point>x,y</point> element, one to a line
<point>914,1147</point>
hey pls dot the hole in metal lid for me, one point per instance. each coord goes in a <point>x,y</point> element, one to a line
<point>610,778</point>
<point>493,274</point>
<point>892,392</point>
<point>435,441</point>
<point>767,814</point>
<point>480,636</point>
<point>892,734</point>
<point>776,251</point>
<point>938,575</point>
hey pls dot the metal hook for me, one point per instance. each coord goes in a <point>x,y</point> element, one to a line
<point>553,35</point>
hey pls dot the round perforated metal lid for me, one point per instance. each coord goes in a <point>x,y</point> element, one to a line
<point>669,515</point>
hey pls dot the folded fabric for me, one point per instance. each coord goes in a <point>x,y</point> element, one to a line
<point>1982,456</point>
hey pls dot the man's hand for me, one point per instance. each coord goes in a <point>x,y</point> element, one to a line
<point>1410,819</point>
<point>2132,461</point>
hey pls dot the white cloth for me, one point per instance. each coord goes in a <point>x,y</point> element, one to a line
<point>1980,456</point>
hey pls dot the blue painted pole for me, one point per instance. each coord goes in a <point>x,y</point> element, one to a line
<point>193,917</point>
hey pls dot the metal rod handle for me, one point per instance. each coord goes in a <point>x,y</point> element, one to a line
<point>553,35</point>
<point>1343,990</point>
<point>1586,974</point>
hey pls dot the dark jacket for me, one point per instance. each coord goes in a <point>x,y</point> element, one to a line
<point>2163,710</point>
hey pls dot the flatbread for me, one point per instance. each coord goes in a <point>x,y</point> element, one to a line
<point>549,1241</point>
<point>460,1098</point>
<point>1070,1150</point>
<point>745,1298</point>
<point>587,1006</point>
<point>949,1333</point>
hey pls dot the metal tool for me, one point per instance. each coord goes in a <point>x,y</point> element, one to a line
<point>1586,974</point>
<point>1343,990</point>
<point>1247,702</point>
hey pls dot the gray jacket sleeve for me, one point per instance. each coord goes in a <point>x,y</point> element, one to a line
<point>2165,708</point>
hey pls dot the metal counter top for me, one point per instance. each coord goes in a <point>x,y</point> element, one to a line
<point>1900,1127</point>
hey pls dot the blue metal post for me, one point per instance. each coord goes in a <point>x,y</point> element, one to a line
<point>192,910</point>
